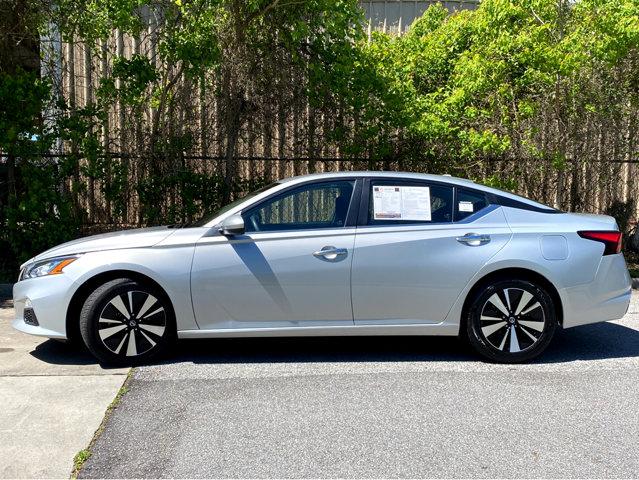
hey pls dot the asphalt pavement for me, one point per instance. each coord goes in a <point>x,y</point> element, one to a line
<point>380,407</point>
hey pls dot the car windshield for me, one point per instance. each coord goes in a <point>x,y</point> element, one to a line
<point>210,216</point>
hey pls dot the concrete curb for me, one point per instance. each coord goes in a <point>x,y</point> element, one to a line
<point>6,291</point>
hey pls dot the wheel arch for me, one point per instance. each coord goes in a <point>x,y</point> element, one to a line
<point>89,285</point>
<point>509,274</point>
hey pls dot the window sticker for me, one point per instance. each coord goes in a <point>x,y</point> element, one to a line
<point>387,203</point>
<point>401,203</point>
<point>466,207</point>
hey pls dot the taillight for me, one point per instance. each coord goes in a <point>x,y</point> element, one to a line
<point>611,240</point>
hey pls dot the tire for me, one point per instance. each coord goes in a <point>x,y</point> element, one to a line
<point>511,321</point>
<point>125,323</point>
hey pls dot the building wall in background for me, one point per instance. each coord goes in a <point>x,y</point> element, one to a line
<point>395,16</point>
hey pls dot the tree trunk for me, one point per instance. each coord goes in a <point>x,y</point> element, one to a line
<point>235,119</point>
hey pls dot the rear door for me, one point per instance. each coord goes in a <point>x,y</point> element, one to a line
<point>411,268</point>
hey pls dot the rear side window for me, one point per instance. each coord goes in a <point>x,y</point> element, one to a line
<point>396,203</point>
<point>468,202</point>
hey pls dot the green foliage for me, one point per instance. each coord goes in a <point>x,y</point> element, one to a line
<point>623,212</point>
<point>195,190</point>
<point>503,183</point>
<point>479,84</point>
<point>510,80</point>
<point>95,20</point>
<point>38,209</point>
<point>22,97</point>
<point>43,214</point>
<point>79,460</point>
<point>198,193</point>
<point>36,213</point>
<point>193,41</point>
<point>134,75</point>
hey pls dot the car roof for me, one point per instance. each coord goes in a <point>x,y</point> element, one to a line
<point>464,182</point>
<point>408,175</point>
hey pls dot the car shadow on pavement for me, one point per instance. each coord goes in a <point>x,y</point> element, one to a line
<point>598,341</point>
<point>321,349</point>
<point>591,342</point>
<point>57,352</point>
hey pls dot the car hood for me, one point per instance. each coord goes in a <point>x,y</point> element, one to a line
<point>137,238</point>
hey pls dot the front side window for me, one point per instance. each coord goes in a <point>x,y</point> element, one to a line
<point>313,206</point>
<point>408,203</point>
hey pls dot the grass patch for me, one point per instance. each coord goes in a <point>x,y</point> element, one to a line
<point>83,455</point>
<point>118,396</point>
<point>78,461</point>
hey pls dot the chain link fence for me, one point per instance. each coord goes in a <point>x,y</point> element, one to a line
<point>127,191</point>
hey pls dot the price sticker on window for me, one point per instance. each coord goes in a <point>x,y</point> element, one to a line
<point>466,207</point>
<point>401,203</point>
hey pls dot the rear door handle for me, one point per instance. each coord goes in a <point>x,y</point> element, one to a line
<point>474,239</point>
<point>330,252</point>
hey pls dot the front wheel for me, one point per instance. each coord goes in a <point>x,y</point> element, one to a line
<point>125,322</point>
<point>511,321</point>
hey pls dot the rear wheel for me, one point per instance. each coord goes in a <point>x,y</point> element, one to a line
<point>511,321</point>
<point>125,322</point>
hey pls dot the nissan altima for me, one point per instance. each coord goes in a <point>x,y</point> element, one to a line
<point>336,254</point>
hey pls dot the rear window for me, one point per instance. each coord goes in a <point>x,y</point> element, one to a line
<point>519,202</point>
<point>469,202</point>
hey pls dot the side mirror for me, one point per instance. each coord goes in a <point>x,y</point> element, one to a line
<point>233,225</point>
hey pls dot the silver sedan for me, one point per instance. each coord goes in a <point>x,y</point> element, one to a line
<point>352,253</point>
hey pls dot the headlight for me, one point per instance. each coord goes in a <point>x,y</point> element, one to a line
<point>52,266</point>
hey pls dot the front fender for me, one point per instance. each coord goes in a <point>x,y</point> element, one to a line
<point>169,268</point>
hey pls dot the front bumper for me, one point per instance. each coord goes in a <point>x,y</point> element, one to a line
<point>49,298</point>
<point>607,297</point>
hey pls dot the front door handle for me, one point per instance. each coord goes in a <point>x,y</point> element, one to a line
<point>330,252</point>
<point>474,239</point>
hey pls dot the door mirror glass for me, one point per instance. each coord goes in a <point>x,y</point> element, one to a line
<point>233,225</point>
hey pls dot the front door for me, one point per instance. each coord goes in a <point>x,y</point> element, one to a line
<point>291,268</point>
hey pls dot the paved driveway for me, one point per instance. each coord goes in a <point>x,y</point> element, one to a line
<point>52,399</point>
<point>394,407</point>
